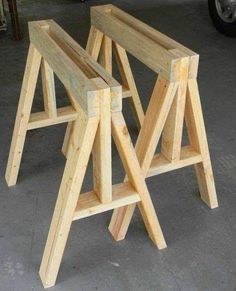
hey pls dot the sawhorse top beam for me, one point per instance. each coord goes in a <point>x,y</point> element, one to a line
<point>73,65</point>
<point>145,43</point>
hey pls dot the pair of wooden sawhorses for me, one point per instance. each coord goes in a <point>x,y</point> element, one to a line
<point>95,115</point>
<point>175,98</point>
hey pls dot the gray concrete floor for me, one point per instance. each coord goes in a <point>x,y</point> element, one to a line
<point>201,242</point>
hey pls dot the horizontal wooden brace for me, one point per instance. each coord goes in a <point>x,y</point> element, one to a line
<point>41,119</point>
<point>145,49</point>
<point>161,165</point>
<point>126,93</point>
<point>89,203</point>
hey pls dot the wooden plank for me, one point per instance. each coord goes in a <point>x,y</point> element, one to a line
<point>23,115</point>
<point>77,59</point>
<point>48,90</point>
<point>128,82</point>
<point>198,139</point>
<point>105,57</point>
<point>160,164</point>
<point>126,92</point>
<point>65,69</point>
<point>102,177</point>
<point>157,111</point>
<point>85,56</point>
<point>40,119</point>
<point>89,204</point>
<point>140,46</point>
<point>156,36</point>
<point>156,115</point>
<point>94,42</point>
<point>135,177</point>
<point>67,199</point>
<point>173,129</point>
<point>65,145</point>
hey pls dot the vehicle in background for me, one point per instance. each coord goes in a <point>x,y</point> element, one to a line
<point>223,15</point>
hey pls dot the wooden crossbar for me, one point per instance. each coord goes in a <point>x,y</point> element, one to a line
<point>88,204</point>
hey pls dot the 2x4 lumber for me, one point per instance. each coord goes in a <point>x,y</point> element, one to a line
<point>105,57</point>
<point>67,198</point>
<point>156,36</point>
<point>41,119</point>
<point>102,178</point>
<point>173,129</point>
<point>89,58</point>
<point>89,204</point>
<point>149,135</point>
<point>23,114</point>
<point>95,38</point>
<point>48,83</point>
<point>135,177</point>
<point>153,55</point>
<point>81,88</point>
<point>126,92</point>
<point>128,82</point>
<point>160,164</point>
<point>198,139</point>
<point>156,115</point>
<point>72,54</point>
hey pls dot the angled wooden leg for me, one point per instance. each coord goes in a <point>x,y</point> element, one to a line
<point>198,139</point>
<point>148,138</point>
<point>67,199</point>
<point>102,177</point>
<point>93,47</point>
<point>94,43</point>
<point>129,83</point>
<point>173,129</point>
<point>127,153</point>
<point>23,114</point>
<point>105,57</point>
<point>48,90</point>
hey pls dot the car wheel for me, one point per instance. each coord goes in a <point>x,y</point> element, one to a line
<point>223,15</point>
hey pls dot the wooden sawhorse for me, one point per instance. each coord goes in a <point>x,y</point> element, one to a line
<point>97,115</point>
<point>175,98</point>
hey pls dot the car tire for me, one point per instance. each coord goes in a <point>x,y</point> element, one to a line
<point>227,28</point>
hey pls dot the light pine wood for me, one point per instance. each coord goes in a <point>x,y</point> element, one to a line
<point>48,90</point>
<point>102,148</point>
<point>173,129</point>
<point>198,139</point>
<point>96,113</point>
<point>105,57</point>
<point>65,144</point>
<point>151,53</point>
<point>132,168</point>
<point>89,204</point>
<point>72,76</point>
<point>40,119</point>
<point>176,84</point>
<point>129,83</point>
<point>94,42</point>
<point>156,115</point>
<point>160,164</point>
<point>67,199</point>
<point>23,115</point>
<point>154,35</point>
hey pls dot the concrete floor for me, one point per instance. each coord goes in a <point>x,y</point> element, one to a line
<point>201,242</point>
